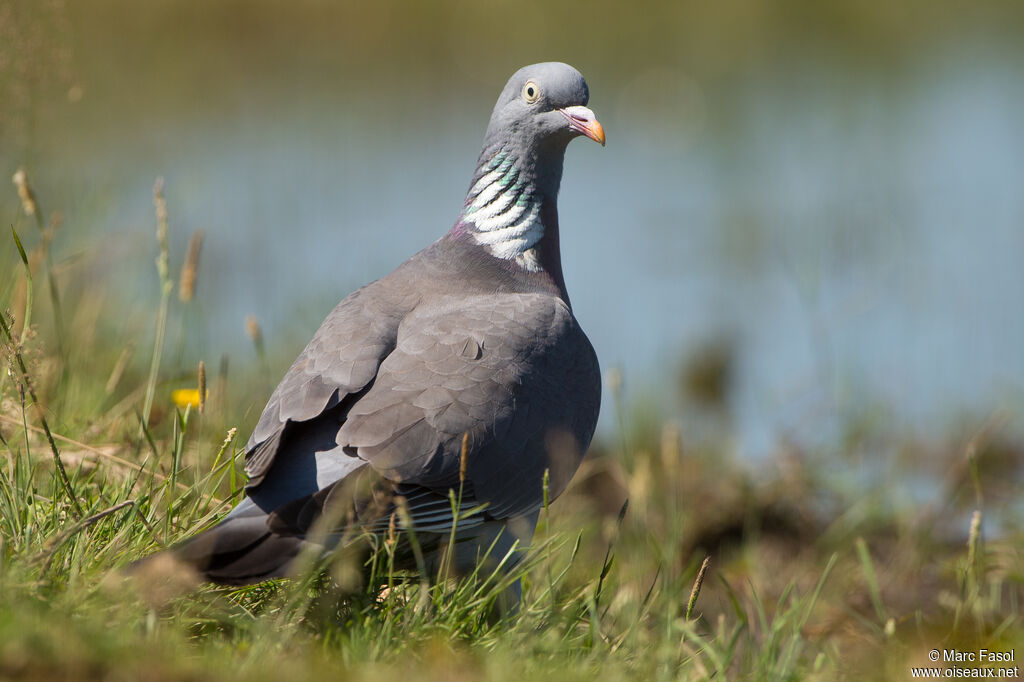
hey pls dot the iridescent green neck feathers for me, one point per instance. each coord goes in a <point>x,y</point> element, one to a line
<point>503,208</point>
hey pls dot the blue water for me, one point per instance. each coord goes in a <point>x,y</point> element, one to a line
<point>861,244</point>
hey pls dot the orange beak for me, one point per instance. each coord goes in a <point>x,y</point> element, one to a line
<point>583,121</point>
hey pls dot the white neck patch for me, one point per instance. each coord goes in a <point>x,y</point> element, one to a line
<point>506,213</point>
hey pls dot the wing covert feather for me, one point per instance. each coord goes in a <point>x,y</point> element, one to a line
<point>514,371</point>
<point>341,359</point>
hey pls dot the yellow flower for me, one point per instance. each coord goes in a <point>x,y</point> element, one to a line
<point>186,397</point>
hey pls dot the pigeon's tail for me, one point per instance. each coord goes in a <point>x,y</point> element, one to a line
<point>241,550</point>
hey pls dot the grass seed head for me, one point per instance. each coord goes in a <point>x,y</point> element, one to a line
<point>190,268</point>
<point>464,457</point>
<point>28,198</point>
<point>252,328</point>
<point>202,387</point>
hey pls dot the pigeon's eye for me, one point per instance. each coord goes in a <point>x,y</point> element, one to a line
<point>531,93</point>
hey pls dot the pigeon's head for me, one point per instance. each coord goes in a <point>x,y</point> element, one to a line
<point>543,106</point>
<point>511,201</point>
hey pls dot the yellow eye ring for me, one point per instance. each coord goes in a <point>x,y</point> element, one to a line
<point>531,93</point>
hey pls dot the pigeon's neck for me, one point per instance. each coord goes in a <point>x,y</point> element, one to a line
<point>511,206</point>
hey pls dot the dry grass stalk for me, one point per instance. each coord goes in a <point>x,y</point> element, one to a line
<point>392,529</point>
<point>695,592</point>
<point>252,328</point>
<point>973,539</point>
<point>190,268</point>
<point>464,457</point>
<point>31,207</point>
<point>166,287</point>
<point>119,367</point>
<point>28,198</point>
<point>202,387</point>
<point>160,204</point>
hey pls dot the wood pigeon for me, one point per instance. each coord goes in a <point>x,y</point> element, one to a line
<point>463,370</point>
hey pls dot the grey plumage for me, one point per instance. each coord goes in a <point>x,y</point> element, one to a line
<point>473,335</point>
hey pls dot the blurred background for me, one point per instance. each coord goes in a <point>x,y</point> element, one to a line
<point>808,221</point>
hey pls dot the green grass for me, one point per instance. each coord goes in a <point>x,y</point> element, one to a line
<point>814,573</point>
